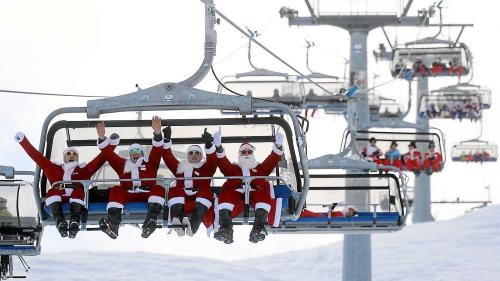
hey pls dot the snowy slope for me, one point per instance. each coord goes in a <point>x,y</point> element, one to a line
<point>466,248</point>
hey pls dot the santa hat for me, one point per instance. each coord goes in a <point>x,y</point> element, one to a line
<point>136,146</point>
<point>72,149</point>
<point>246,146</point>
<point>195,147</point>
<point>413,143</point>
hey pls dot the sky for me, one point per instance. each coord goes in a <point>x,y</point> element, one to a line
<point>106,47</point>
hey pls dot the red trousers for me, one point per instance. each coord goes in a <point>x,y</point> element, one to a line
<point>119,196</point>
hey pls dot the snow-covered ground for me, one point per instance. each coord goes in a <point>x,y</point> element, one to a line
<point>465,248</point>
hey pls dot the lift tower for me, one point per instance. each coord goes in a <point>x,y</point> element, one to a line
<point>357,247</point>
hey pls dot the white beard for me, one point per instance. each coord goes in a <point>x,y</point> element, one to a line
<point>129,165</point>
<point>247,162</point>
<point>184,166</point>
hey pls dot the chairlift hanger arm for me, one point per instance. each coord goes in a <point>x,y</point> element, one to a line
<point>311,10</point>
<point>407,8</point>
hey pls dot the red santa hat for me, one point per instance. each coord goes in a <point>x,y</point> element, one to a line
<point>246,146</point>
<point>194,147</point>
<point>72,149</point>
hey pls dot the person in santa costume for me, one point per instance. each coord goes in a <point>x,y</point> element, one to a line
<point>413,158</point>
<point>232,193</point>
<point>71,169</point>
<point>433,160</point>
<point>190,195</point>
<point>136,167</point>
<point>371,152</point>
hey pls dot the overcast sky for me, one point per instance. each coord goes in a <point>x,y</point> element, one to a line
<point>106,47</point>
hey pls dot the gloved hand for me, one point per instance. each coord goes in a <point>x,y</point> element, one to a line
<point>218,138</point>
<point>207,138</point>
<point>114,136</point>
<point>167,133</point>
<point>278,138</point>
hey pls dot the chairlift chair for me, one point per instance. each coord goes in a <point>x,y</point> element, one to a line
<point>466,89</point>
<point>474,151</point>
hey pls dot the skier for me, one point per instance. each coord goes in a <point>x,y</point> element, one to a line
<point>67,171</point>
<point>413,158</point>
<point>433,160</point>
<point>136,167</point>
<point>189,195</point>
<point>232,194</point>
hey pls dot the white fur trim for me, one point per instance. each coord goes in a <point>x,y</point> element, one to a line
<point>204,201</point>
<point>194,147</point>
<point>68,191</point>
<point>157,143</point>
<point>226,206</point>
<point>246,146</point>
<point>114,205</point>
<point>114,141</point>
<point>176,200</point>
<point>277,213</point>
<point>103,144</point>
<point>221,154</point>
<point>19,137</point>
<point>264,206</point>
<point>210,150</point>
<point>156,199</point>
<point>167,145</point>
<point>71,149</point>
<point>79,201</point>
<point>52,199</point>
<point>277,150</point>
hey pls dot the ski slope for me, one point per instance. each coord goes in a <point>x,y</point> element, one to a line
<point>466,248</point>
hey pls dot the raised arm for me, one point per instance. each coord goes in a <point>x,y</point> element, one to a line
<point>107,147</point>
<point>210,165</point>
<point>167,155</point>
<point>272,159</point>
<point>222,162</point>
<point>33,153</point>
<point>156,151</point>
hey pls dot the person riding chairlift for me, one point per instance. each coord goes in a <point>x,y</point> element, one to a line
<point>433,160</point>
<point>412,159</point>
<point>232,194</point>
<point>191,195</point>
<point>393,156</point>
<point>371,152</point>
<point>71,169</point>
<point>136,168</point>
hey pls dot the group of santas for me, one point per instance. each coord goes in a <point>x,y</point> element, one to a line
<point>138,172</point>
<point>432,160</point>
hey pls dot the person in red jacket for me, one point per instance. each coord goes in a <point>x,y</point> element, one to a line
<point>413,158</point>
<point>433,160</point>
<point>71,169</point>
<point>232,192</point>
<point>135,168</point>
<point>188,193</point>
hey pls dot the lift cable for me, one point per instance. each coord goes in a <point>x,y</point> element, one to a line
<point>50,94</point>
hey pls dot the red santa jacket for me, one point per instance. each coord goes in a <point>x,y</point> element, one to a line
<point>59,172</point>
<point>414,155</point>
<point>263,169</point>
<point>203,169</point>
<point>145,168</point>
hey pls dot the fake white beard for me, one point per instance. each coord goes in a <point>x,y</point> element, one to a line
<point>129,165</point>
<point>248,162</point>
<point>186,165</point>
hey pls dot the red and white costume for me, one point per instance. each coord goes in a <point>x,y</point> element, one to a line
<point>63,172</point>
<point>372,152</point>
<point>232,194</point>
<point>204,195</point>
<point>434,163</point>
<point>413,160</point>
<point>129,191</point>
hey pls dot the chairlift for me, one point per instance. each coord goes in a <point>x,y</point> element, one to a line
<point>466,89</point>
<point>474,151</point>
<point>390,109</point>
<point>431,57</point>
<point>20,223</point>
<point>456,106</point>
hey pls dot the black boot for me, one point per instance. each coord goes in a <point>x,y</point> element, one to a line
<point>178,220</point>
<point>259,232</point>
<point>149,225</point>
<point>57,213</point>
<point>198,213</point>
<point>74,221</point>
<point>225,232</point>
<point>112,223</point>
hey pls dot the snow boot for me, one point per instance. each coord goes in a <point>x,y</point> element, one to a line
<point>225,232</point>
<point>177,215</point>
<point>258,232</point>
<point>112,223</point>
<point>149,225</point>
<point>198,213</point>
<point>74,221</point>
<point>57,213</point>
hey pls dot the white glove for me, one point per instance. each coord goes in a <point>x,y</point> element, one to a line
<point>279,138</point>
<point>19,137</point>
<point>218,138</point>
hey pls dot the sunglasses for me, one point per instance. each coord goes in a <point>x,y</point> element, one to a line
<point>195,152</point>
<point>246,152</point>
<point>69,153</point>
<point>135,151</point>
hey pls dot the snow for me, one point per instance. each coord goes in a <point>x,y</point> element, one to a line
<point>465,248</point>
